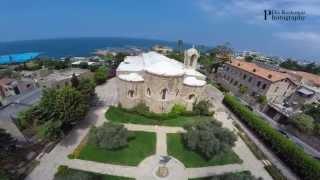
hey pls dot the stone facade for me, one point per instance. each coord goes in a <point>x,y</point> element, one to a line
<point>250,81</point>
<point>157,89</point>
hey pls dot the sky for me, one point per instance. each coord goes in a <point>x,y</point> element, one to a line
<point>208,22</point>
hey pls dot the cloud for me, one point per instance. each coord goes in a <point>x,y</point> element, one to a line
<point>310,39</point>
<point>254,8</point>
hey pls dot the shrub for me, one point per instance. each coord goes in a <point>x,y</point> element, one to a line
<point>63,170</point>
<point>202,108</point>
<point>262,100</point>
<point>301,163</point>
<point>65,173</point>
<point>304,123</point>
<point>243,89</point>
<point>110,136</point>
<point>208,138</point>
<point>178,109</point>
<point>246,175</point>
<point>141,109</point>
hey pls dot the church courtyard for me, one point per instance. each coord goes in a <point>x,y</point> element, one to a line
<point>141,160</point>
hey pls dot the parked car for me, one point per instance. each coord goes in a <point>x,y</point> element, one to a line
<point>284,133</point>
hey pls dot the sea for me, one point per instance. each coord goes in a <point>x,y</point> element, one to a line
<point>65,47</point>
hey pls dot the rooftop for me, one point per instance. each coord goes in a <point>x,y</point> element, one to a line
<point>5,81</point>
<point>264,73</point>
<point>312,78</point>
<point>18,58</point>
<point>192,81</point>
<point>65,74</point>
<point>156,63</point>
<point>134,77</point>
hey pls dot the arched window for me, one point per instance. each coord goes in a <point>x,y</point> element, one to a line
<point>163,93</point>
<point>148,92</point>
<point>130,93</point>
<point>192,59</point>
<point>191,97</point>
<point>177,92</point>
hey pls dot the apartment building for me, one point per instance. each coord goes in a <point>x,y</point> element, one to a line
<point>250,81</point>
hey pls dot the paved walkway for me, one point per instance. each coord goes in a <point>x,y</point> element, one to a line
<point>49,162</point>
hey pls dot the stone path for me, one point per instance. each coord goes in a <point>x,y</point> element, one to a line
<point>147,168</point>
<point>102,168</point>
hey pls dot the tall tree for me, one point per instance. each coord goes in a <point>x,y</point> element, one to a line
<point>57,111</point>
<point>74,81</point>
<point>86,87</point>
<point>100,75</point>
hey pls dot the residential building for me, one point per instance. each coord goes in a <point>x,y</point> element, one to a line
<point>60,78</point>
<point>16,104</point>
<point>250,81</point>
<point>305,94</point>
<point>11,87</point>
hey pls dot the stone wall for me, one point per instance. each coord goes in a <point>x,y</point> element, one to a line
<point>232,78</point>
<point>159,93</point>
<point>130,93</point>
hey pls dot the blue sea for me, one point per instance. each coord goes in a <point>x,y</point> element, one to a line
<point>77,46</point>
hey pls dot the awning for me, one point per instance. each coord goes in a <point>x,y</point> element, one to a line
<point>305,91</point>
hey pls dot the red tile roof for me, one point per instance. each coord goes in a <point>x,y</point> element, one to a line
<point>312,78</point>
<point>5,81</point>
<point>264,73</point>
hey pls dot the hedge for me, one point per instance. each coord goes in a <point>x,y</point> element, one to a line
<point>303,164</point>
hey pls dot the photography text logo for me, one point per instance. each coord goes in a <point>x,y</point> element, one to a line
<point>284,15</point>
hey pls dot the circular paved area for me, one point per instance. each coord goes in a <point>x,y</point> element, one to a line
<point>150,165</point>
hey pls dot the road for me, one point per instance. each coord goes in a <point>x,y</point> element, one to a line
<point>286,171</point>
<point>307,148</point>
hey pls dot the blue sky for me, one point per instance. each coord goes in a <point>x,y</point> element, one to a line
<point>208,22</point>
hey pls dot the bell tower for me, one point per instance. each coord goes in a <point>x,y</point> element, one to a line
<point>191,57</point>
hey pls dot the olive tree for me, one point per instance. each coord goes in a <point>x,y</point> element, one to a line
<point>208,138</point>
<point>110,136</point>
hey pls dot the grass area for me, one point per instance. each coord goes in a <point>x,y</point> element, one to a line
<point>193,159</point>
<point>65,173</point>
<point>115,114</point>
<point>142,146</point>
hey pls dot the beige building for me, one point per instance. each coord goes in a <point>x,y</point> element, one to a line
<point>160,82</point>
<point>59,78</point>
<point>250,81</point>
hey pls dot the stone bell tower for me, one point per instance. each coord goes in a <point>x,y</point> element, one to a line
<point>191,57</point>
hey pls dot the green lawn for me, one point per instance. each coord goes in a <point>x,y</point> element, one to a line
<point>76,174</point>
<point>115,114</point>
<point>192,159</point>
<point>142,146</point>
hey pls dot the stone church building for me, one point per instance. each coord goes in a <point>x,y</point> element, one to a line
<point>160,82</point>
